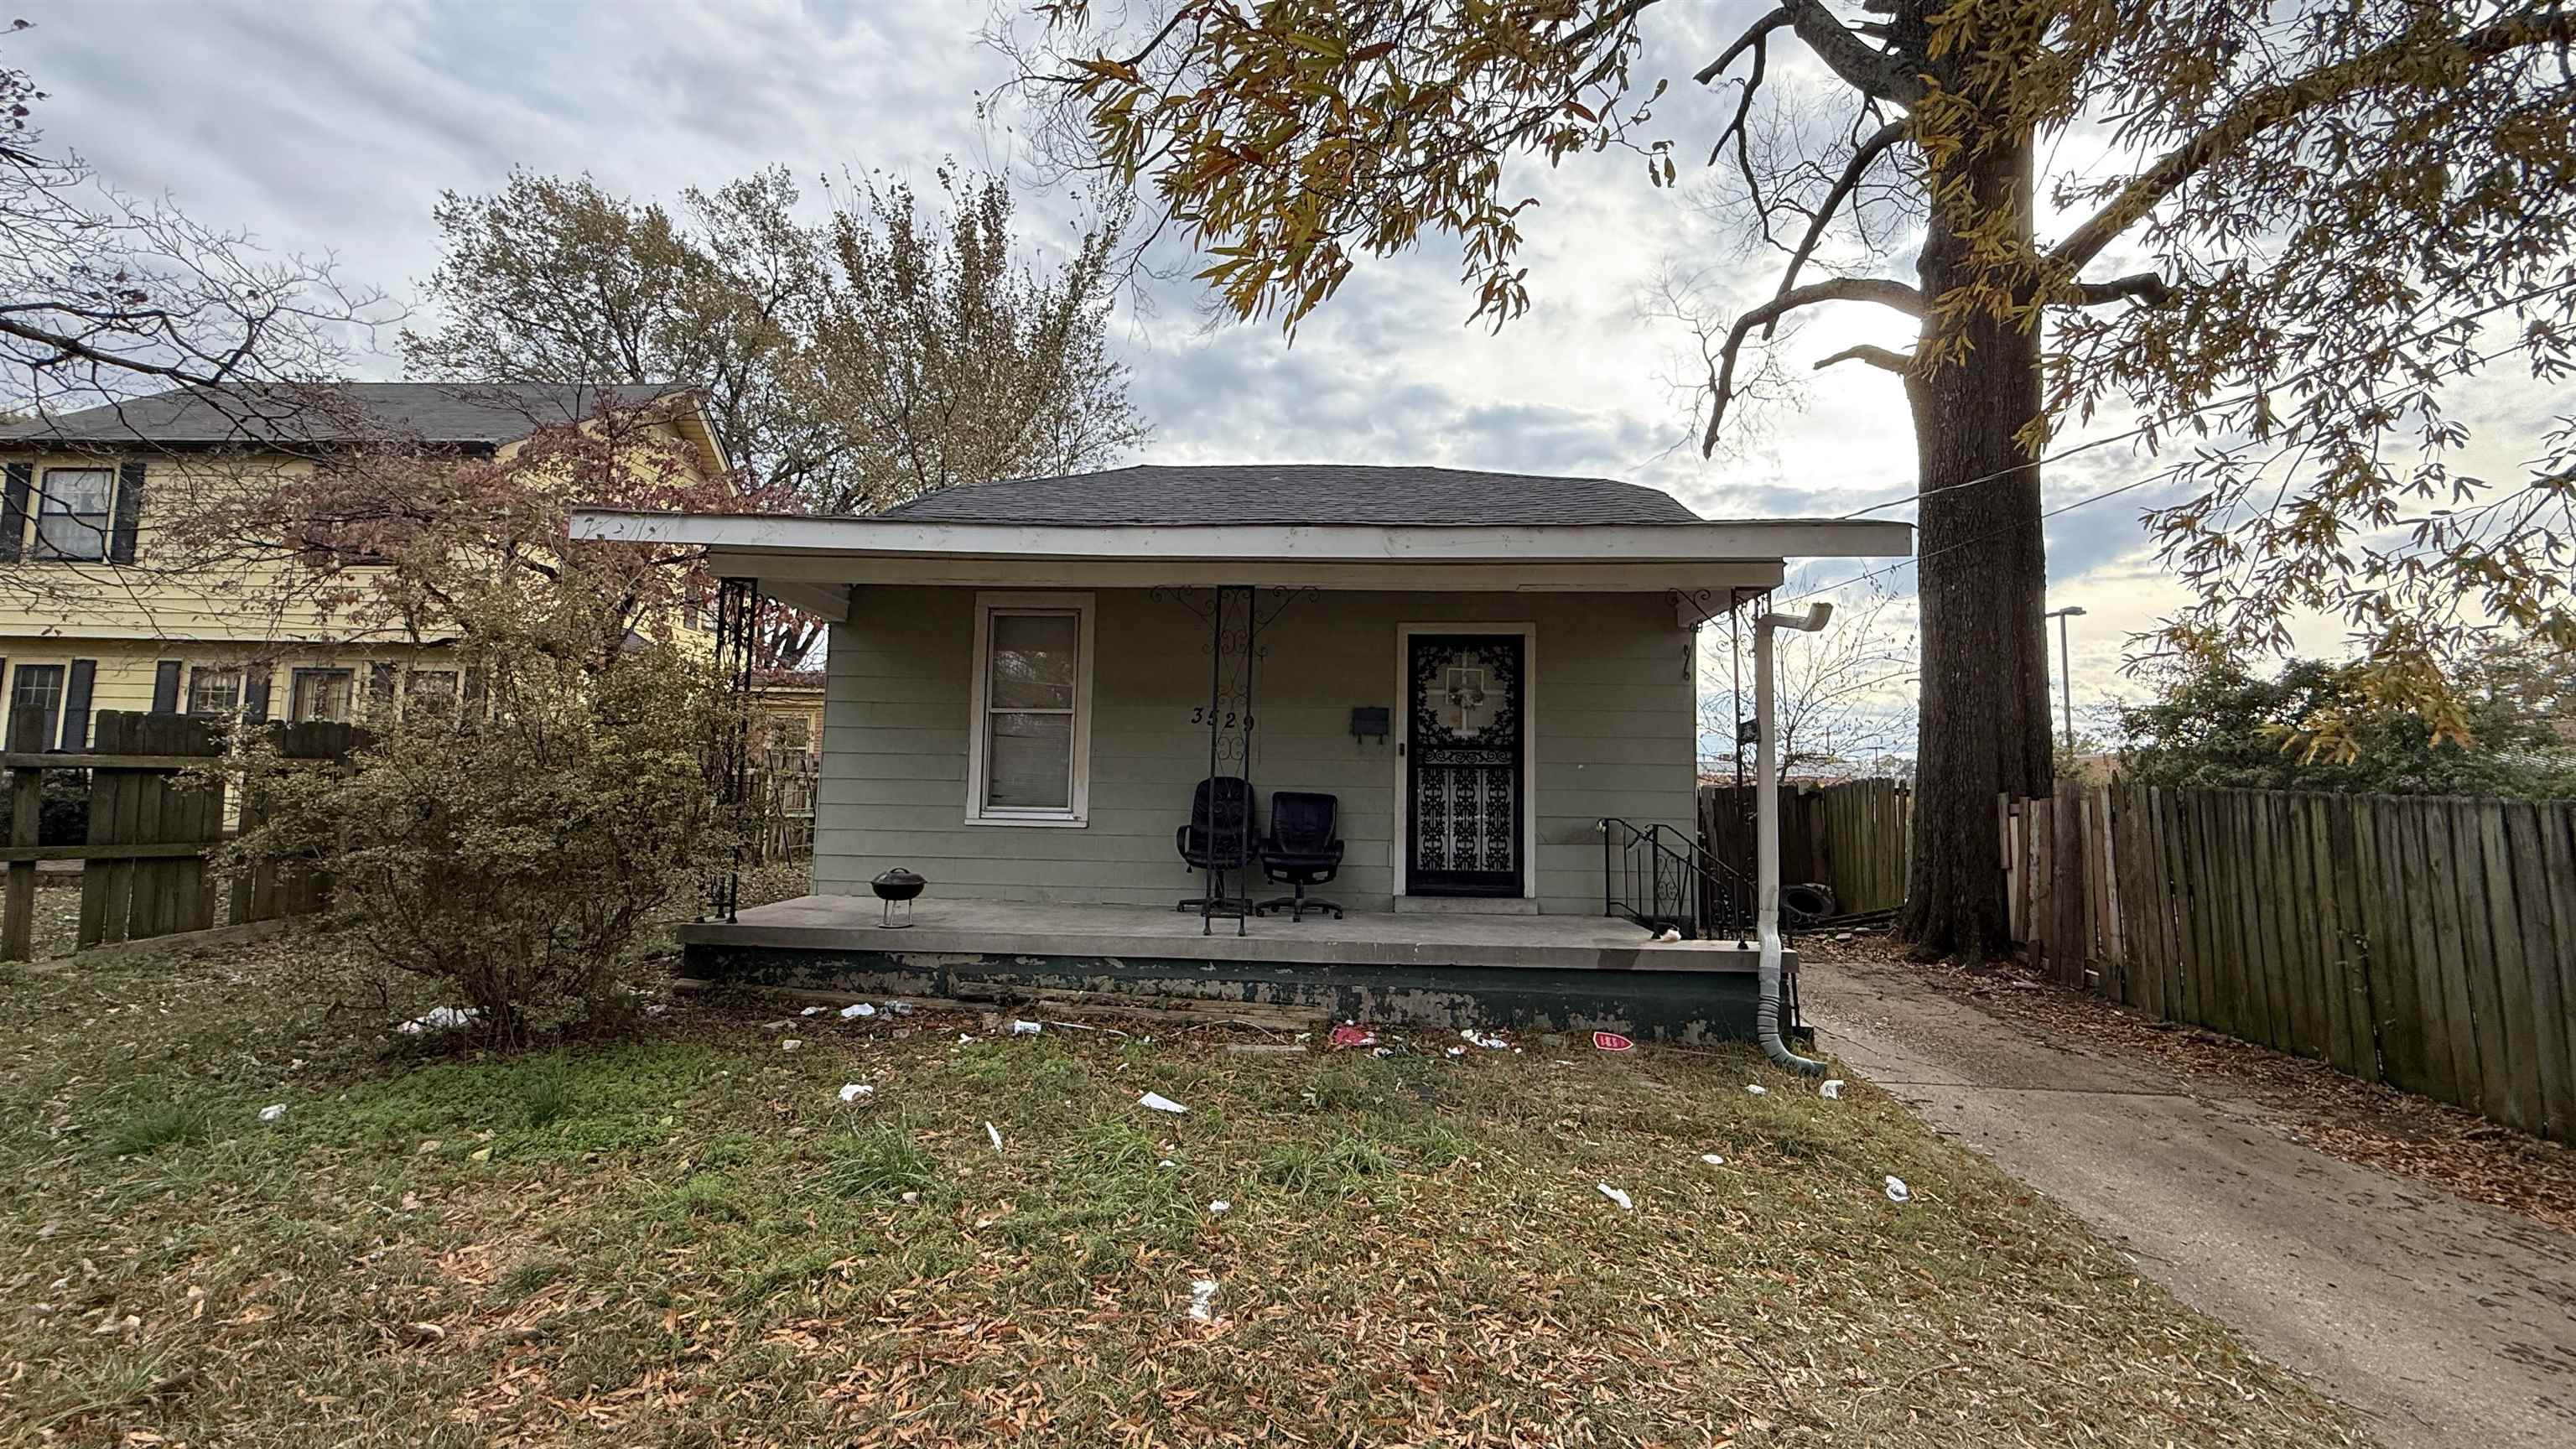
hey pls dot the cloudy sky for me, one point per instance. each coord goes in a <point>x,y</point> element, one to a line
<point>332,126</point>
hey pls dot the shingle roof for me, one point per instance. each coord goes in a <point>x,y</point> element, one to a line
<point>1303,493</point>
<point>447,413</point>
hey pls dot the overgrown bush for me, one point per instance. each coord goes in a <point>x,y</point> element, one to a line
<point>2221,725</point>
<point>514,853</point>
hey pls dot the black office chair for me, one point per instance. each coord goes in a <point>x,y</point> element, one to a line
<point>1300,851</point>
<point>1218,839</point>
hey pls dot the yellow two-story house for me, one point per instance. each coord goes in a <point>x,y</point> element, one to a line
<point>99,611</point>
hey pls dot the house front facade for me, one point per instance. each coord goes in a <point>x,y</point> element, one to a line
<point>103,607</point>
<point>1039,693</point>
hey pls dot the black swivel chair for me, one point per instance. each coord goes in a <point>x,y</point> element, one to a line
<point>1218,839</point>
<point>1300,850</point>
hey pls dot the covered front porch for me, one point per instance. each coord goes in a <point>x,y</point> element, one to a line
<point>1426,969</point>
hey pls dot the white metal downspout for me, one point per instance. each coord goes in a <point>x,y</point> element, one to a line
<point>1766,836</point>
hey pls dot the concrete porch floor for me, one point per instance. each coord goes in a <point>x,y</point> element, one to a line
<point>1039,929</point>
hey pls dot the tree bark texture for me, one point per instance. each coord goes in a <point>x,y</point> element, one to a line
<point>1983,570</point>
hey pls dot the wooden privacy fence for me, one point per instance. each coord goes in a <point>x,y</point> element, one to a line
<point>1852,837</point>
<point>144,864</point>
<point>2429,943</point>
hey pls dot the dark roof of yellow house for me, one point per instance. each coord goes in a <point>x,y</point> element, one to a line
<point>469,415</point>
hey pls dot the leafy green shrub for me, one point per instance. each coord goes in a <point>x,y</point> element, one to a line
<point>514,851</point>
<point>2220,725</point>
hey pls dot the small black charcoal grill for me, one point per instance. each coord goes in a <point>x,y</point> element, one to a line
<point>898,887</point>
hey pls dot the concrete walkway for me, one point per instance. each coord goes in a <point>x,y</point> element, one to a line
<point>2446,1322</point>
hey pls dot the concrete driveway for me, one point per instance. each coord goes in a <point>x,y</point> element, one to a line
<point>2447,1322</point>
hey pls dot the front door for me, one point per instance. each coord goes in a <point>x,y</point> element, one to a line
<point>1464,741</point>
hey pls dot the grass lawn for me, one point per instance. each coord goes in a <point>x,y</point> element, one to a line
<point>687,1239</point>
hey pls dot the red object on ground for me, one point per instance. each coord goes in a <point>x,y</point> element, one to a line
<point>1611,1041</point>
<point>1353,1036</point>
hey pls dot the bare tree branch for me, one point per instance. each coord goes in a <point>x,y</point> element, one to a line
<point>2147,287</point>
<point>1884,291</point>
<point>1751,37</point>
<point>1871,71</point>
<point>1863,155</point>
<point>1874,355</point>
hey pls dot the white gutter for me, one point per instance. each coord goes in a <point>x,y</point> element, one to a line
<point>1708,541</point>
<point>1766,837</point>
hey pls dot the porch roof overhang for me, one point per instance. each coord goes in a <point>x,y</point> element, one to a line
<point>810,562</point>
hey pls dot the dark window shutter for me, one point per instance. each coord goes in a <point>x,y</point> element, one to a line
<point>129,512</point>
<point>13,511</point>
<point>76,704</point>
<point>255,691</point>
<point>165,687</point>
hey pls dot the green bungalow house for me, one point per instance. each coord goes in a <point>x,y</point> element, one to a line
<point>1462,708</point>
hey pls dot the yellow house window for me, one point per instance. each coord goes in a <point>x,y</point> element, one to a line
<point>72,513</point>
<point>431,691</point>
<point>214,691</point>
<point>321,694</point>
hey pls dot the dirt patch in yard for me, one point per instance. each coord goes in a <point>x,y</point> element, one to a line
<point>2442,1146</point>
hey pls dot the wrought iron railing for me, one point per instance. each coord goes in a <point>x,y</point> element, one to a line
<point>1663,880</point>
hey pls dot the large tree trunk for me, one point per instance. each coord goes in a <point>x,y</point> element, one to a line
<point>1984,584</point>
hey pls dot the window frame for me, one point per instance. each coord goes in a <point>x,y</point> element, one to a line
<point>294,680</point>
<point>241,690</point>
<point>38,550</point>
<point>988,604</point>
<point>62,677</point>
<point>450,708</point>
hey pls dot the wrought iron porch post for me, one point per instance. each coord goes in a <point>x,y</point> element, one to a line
<point>737,612</point>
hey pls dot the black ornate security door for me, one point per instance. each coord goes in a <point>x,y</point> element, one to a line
<point>1464,741</point>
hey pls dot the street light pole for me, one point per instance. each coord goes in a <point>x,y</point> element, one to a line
<point>2066,669</point>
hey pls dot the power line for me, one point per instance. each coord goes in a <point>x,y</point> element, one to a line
<point>2163,419</point>
<point>2112,492</point>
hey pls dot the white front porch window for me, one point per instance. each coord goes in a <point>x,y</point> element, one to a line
<point>1030,750</point>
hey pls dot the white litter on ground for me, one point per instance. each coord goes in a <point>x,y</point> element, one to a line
<point>1615,1195</point>
<point>272,1112</point>
<point>996,1134</point>
<point>852,1013</point>
<point>440,1018</point>
<point>791,1044</point>
<point>853,1091</point>
<point>1832,1090</point>
<point>1167,1162</point>
<point>1898,1192</point>
<point>1712,1159</point>
<point>1025,1028</point>
<point>812,1011</point>
<point>1489,1041</point>
<point>1757,1089</point>
<point>1203,1299</point>
<point>1668,934</point>
<point>963,1038</point>
<point>1220,1206</point>
<point>1160,1103</point>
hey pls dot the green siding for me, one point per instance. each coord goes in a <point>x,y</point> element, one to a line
<point>1615,733</point>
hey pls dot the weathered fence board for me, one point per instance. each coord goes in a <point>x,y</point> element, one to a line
<point>1852,838</point>
<point>2428,943</point>
<point>144,869</point>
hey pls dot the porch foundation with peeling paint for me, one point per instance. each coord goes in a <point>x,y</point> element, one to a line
<point>1071,704</point>
<point>1528,972</point>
